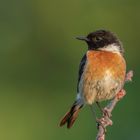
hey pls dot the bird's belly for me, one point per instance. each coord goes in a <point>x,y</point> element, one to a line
<point>99,90</point>
<point>107,88</point>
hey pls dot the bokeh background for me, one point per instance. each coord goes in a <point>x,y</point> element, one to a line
<point>39,59</point>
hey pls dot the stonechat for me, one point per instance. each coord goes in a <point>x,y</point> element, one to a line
<point>102,72</point>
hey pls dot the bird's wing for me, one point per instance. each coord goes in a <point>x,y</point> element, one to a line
<point>81,69</point>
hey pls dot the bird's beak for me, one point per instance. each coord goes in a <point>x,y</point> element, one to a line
<point>82,38</point>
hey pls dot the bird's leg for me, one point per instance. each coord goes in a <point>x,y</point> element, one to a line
<point>99,122</point>
<point>93,112</point>
<point>105,111</point>
<point>99,106</point>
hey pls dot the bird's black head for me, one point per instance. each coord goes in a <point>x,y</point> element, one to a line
<point>102,40</point>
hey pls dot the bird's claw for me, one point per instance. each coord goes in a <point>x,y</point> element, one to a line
<point>106,112</point>
<point>101,122</point>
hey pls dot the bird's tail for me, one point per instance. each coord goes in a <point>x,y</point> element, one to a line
<point>71,115</point>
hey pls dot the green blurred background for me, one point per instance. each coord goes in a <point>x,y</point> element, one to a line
<point>39,59</point>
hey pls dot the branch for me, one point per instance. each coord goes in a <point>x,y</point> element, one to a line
<point>105,120</point>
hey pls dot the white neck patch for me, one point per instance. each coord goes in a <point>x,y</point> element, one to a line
<point>111,48</point>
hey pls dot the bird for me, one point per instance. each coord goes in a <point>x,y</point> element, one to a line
<point>102,72</point>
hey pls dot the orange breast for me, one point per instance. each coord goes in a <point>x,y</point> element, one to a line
<point>98,62</point>
<point>103,76</point>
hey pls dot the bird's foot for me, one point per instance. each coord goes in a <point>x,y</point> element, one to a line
<point>101,122</point>
<point>106,112</point>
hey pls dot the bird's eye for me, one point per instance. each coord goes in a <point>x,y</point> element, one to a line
<point>96,39</point>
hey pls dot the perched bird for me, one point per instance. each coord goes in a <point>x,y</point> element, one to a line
<point>101,72</point>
